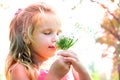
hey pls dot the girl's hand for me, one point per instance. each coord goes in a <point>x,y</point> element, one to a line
<point>72,58</point>
<point>58,69</point>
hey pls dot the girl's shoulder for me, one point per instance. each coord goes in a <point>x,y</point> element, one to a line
<point>18,71</point>
<point>16,66</point>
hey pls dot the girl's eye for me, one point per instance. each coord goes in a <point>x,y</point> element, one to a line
<point>47,33</point>
<point>59,33</point>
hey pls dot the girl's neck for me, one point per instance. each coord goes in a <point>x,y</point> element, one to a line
<point>37,60</point>
<point>40,62</point>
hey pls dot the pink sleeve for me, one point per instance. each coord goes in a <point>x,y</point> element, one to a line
<point>42,75</point>
<point>44,72</point>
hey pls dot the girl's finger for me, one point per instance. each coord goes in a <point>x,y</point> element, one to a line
<point>69,60</point>
<point>66,54</point>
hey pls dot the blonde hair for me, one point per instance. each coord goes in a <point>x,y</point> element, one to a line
<point>24,21</point>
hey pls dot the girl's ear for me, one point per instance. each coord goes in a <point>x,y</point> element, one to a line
<point>26,38</point>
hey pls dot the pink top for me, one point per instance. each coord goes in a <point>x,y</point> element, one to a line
<point>44,72</point>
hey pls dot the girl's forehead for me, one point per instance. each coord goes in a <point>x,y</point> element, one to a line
<point>49,20</point>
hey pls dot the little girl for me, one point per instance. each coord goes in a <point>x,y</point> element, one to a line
<point>33,35</point>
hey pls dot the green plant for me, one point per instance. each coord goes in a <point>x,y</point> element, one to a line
<point>65,42</point>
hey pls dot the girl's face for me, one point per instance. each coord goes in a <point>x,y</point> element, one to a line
<point>44,38</point>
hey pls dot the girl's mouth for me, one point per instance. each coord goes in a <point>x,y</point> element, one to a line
<point>52,47</point>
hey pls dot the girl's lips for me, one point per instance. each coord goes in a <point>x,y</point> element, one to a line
<point>52,47</point>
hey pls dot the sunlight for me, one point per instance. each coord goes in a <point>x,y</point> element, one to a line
<point>87,14</point>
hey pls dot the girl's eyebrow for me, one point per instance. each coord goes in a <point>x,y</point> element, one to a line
<point>50,29</point>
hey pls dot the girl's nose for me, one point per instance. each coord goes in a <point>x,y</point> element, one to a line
<point>54,38</point>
